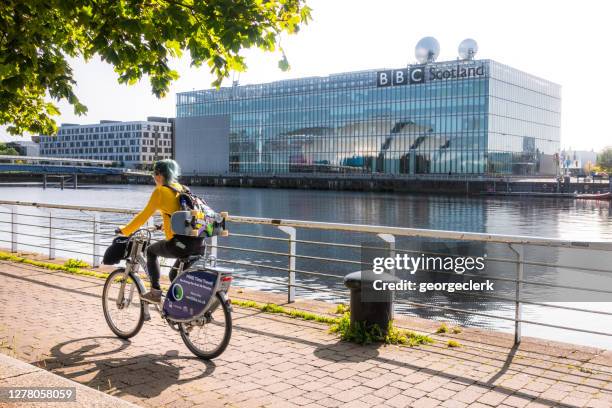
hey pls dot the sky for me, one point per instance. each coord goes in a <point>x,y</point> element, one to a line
<point>564,42</point>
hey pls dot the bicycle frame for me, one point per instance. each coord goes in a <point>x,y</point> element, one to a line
<point>134,261</point>
<point>140,242</point>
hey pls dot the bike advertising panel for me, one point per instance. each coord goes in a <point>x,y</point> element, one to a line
<point>190,294</point>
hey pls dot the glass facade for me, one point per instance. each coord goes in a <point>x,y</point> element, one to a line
<point>457,117</point>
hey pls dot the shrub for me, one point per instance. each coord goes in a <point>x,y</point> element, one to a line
<point>361,333</point>
<point>341,309</point>
<point>442,329</point>
<point>453,343</point>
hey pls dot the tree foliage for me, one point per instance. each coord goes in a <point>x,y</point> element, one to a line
<point>604,159</point>
<point>138,37</point>
<point>8,151</point>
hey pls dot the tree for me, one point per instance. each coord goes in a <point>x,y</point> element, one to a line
<point>604,159</point>
<point>138,37</point>
<point>8,151</point>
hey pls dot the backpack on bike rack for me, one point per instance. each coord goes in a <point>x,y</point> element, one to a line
<point>195,218</point>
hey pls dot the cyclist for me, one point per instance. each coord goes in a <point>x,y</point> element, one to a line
<point>165,200</point>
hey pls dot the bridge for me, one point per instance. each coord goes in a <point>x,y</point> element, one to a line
<point>63,168</point>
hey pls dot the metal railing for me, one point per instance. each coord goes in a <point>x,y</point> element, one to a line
<point>365,174</point>
<point>99,229</point>
<point>49,159</point>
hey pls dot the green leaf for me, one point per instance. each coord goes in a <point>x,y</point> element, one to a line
<point>137,38</point>
<point>283,64</point>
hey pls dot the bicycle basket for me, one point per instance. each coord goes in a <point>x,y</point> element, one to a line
<point>118,250</point>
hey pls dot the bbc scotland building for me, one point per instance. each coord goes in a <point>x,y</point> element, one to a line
<point>476,117</point>
<point>134,144</point>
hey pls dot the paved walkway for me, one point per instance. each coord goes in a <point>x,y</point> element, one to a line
<point>55,321</point>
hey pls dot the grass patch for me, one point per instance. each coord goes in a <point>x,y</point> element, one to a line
<point>581,369</point>
<point>273,308</point>
<point>362,333</point>
<point>457,330</point>
<point>442,329</point>
<point>76,263</point>
<point>341,309</point>
<point>453,343</point>
<point>276,309</point>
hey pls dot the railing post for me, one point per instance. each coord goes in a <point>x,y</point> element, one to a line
<point>390,239</point>
<point>213,246</point>
<point>291,277</point>
<point>518,308</point>
<point>51,237</point>
<point>96,241</point>
<point>14,231</point>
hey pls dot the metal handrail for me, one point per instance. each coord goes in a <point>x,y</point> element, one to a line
<point>515,243</point>
<point>371,229</point>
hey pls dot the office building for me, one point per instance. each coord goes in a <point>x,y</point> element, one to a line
<point>25,147</point>
<point>456,117</point>
<point>134,144</point>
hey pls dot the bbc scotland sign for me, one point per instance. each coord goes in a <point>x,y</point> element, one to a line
<point>422,73</point>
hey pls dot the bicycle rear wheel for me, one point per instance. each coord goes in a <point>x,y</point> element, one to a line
<point>123,309</point>
<point>209,336</point>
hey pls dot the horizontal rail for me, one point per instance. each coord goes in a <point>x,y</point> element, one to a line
<point>55,159</point>
<point>260,251</point>
<point>257,265</point>
<point>489,259</point>
<point>70,207</point>
<point>46,247</point>
<point>371,229</point>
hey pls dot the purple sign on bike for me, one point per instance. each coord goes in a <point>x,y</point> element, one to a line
<point>189,295</point>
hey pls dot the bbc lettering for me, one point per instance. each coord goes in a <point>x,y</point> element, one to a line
<point>419,75</point>
<point>401,76</point>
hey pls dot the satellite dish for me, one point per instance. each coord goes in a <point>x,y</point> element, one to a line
<point>468,49</point>
<point>427,50</point>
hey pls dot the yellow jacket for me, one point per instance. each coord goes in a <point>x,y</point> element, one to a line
<point>164,200</point>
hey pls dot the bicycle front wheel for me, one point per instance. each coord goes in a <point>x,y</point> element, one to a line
<point>123,309</point>
<point>208,337</point>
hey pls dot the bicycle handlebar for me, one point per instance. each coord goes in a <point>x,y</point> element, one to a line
<point>154,228</point>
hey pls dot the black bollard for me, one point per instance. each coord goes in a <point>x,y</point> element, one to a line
<point>364,310</point>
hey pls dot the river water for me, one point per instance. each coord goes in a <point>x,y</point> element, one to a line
<point>541,217</point>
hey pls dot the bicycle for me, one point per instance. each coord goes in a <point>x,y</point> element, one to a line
<point>196,302</point>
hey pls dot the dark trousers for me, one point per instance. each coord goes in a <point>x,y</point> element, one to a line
<point>177,247</point>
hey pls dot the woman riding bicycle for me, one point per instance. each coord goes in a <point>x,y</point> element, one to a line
<point>165,200</point>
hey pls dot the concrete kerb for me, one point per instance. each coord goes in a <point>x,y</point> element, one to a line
<point>16,373</point>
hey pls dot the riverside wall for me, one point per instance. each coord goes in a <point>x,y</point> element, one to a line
<point>455,186</point>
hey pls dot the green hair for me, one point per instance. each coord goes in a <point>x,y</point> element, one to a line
<point>168,169</point>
